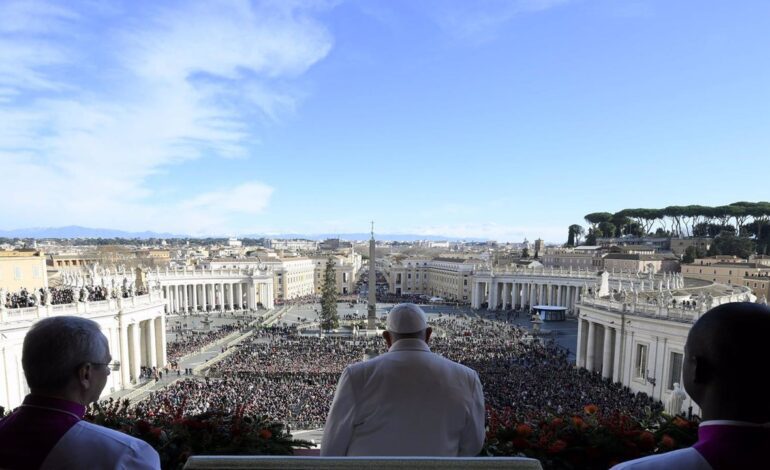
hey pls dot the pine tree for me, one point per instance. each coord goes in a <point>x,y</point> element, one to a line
<point>329,319</point>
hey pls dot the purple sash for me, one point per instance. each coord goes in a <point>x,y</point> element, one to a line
<point>34,428</point>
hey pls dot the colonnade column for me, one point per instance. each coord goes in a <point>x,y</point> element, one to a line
<point>607,353</point>
<point>580,356</point>
<point>195,297</point>
<point>134,351</point>
<point>239,294</point>
<point>506,295</point>
<point>125,371</point>
<point>492,304</point>
<point>150,341</point>
<point>616,360</point>
<point>270,296</point>
<point>160,340</point>
<point>251,296</point>
<point>590,346</point>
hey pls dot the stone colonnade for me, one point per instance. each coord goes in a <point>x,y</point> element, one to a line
<point>505,295</point>
<point>142,343</point>
<point>598,348</point>
<point>226,295</point>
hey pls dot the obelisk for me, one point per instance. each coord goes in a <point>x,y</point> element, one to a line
<point>372,307</point>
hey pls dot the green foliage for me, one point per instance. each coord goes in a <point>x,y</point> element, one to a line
<point>574,234</point>
<point>591,238</point>
<point>729,244</point>
<point>605,229</point>
<point>595,218</point>
<point>329,318</point>
<point>525,253</point>
<point>691,253</point>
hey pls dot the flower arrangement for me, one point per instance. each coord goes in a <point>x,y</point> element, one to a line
<point>177,437</point>
<point>588,440</point>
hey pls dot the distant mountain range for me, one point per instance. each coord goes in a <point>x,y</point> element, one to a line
<point>75,231</point>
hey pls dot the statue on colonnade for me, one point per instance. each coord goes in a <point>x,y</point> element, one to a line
<point>675,400</point>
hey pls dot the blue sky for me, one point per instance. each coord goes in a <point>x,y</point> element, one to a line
<point>495,119</point>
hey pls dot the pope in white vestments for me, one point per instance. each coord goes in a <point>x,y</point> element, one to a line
<point>406,402</point>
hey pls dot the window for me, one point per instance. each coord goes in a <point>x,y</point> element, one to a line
<point>675,369</point>
<point>641,361</point>
<point>17,274</point>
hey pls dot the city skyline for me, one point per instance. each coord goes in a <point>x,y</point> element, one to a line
<point>503,121</point>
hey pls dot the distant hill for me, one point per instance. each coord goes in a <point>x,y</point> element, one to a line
<point>75,231</point>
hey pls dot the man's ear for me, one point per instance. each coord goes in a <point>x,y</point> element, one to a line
<point>388,338</point>
<point>428,332</point>
<point>85,375</point>
<point>702,370</point>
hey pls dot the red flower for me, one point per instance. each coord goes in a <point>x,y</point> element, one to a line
<point>681,423</point>
<point>557,422</point>
<point>646,441</point>
<point>579,423</point>
<point>265,434</point>
<point>558,446</point>
<point>524,430</point>
<point>590,409</point>
<point>667,441</point>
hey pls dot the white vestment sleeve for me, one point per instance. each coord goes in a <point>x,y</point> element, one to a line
<point>339,424</point>
<point>472,439</point>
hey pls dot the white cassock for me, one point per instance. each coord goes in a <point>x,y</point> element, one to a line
<point>682,459</point>
<point>94,447</point>
<point>406,402</point>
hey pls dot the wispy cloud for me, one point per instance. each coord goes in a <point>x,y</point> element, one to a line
<point>96,100</point>
<point>482,20</point>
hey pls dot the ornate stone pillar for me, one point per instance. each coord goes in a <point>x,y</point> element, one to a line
<point>580,356</point>
<point>616,362</point>
<point>590,347</point>
<point>133,333</point>
<point>506,295</point>
<point>195,297</point>
<point>251,296</point>
<point>607,353</point>
<point>160,340</point>
<point>125,361</point>
<point>152,353</point>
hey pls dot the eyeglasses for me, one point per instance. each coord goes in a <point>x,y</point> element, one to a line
<point>114,365</point>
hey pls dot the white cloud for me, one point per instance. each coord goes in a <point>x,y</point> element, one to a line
<point>91,112</point>
<point>480,21</point>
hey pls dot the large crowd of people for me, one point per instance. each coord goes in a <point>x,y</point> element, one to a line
<point>292,377</point>
<point>197,340</point>
<point>64,295</point>
<point>34,297</point>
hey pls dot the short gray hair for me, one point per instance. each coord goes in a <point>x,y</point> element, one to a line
<point>54,348</point>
